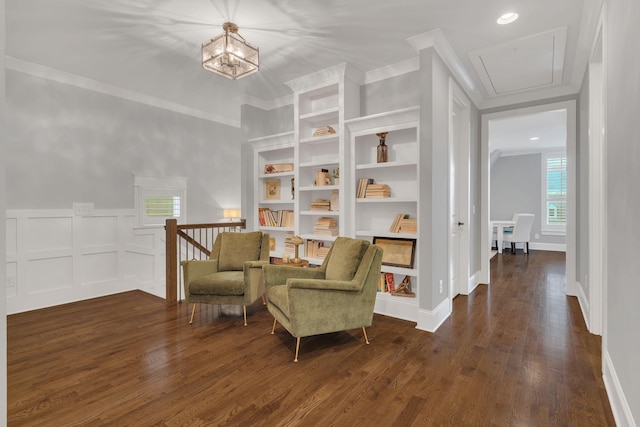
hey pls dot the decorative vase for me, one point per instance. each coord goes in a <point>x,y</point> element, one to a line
<point>383,149</point>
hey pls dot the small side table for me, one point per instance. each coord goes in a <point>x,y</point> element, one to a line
<point>302,263</point>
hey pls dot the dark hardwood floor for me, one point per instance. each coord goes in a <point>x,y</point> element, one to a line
<point>515,353</point>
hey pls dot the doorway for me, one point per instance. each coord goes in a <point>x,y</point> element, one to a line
<point>569,109</point>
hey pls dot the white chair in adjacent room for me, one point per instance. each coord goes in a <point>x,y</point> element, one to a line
<point>521,231</point>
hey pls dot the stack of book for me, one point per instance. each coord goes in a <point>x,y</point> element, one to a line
<point>316,249</point>
<point>289,247</point>
<point>386,282</point>
<point>335,200</point>
<point>320,205</point>
<point>323,131</point>
<point>363,183</point>
<point>378,191</point>
<point>409,226</point>
<point>395,227</point>
<point>326,227</point>
<point>404,224</point>
<point>269,218</point>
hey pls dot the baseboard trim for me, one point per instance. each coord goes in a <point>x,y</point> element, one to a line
<point>617,400</point>
<point>583,301</point>
<point>474,281</point>
<point>430,320</point>
<point>556,247</point>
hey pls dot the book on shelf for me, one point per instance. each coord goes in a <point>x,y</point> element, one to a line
<point>390,281</point>
<point>323,131</point>
<point>379,191</point>
<point>408,225</point>
<point>326,227</point>
<point>316,249</point>
<point>277,168</point>
<point>320,205</point>
<point>269,218</point>
<point>363,183</point>
<point>395,225</point>
<point>335,201</point>
<point>382,283</point>
<point>289,247</point>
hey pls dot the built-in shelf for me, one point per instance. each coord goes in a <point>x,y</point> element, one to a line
<point>317,237</point>
<point>276,175</point>
<point>378,233</point>
<point>322,115</point>
<point>387,165</point>
<point>322,162</point>
<point>386,200</point>
<point>276,202</point>
<point>265,228</point>
<point>334,137</point>
<point>320,213</point>
<point>319,187</point>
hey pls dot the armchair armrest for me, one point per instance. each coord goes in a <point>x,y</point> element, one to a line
<point>327,285</point>
<point>254,264</point>
<point>198,268</point>
<point>278,274</point>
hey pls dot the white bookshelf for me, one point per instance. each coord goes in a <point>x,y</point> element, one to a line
<point>273,149</point>
<point>372,217</point>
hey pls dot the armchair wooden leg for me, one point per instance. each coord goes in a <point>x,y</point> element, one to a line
<point>264,301</point>
<point>273,330</point>
<point>366,339</point>
<point>244,312</point>
<point>192,312</point>
<point>297,349</point>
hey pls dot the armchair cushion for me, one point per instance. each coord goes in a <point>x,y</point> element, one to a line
<point>224,283</point>
<point>345,258</point>
<point>279,296</point>
<point>236,248</point>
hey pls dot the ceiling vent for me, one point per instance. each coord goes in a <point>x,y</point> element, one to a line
<point>532,62</point>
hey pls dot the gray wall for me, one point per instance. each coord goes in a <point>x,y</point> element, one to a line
<point>67,144</point>
<point>3,255</point>
<point>582,187</point>
<point>621,340</point>
<point>390,94</point>
<point>516,186</point>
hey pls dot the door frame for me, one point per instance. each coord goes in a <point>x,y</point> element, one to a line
<point>571,287</point>
<point>458,101</point>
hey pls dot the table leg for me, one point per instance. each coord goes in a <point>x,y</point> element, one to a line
<point>499,235</point>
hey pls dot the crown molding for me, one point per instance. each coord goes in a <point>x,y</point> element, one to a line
<point>393,70</point>
<point>271,104</point>
<point>63,77</point>
<point>437,40</point>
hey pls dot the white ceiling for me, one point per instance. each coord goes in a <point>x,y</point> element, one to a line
<point>152,47</point>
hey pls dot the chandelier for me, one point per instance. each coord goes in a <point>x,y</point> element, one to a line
<point>229,54</point>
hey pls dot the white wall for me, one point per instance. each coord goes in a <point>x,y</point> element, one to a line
<point>621,339</point>
<point>55,257</point>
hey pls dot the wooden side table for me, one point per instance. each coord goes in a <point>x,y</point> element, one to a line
<point>302,263</point>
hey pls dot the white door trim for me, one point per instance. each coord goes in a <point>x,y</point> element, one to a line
<point>458,99</point>
<point>570,106</point>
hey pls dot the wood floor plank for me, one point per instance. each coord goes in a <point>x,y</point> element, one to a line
<point>516,352</point>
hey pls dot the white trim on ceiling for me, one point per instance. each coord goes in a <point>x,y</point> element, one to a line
<point>439,42</point>
<point>393,70</point>
<point>266,104</point>
<point>58,76</point>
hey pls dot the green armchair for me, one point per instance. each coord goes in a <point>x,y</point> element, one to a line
<point>231,275</point>
<point>339,295</point>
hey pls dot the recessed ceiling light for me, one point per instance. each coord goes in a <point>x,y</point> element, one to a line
<point>507,18</point>
<point>534,138</point>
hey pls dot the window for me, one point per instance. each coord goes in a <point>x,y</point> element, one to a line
<point>554,176</point>
<point>159,198</point>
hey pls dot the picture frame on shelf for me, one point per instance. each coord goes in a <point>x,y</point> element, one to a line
<point>397,252</point>
<point>272,189</point>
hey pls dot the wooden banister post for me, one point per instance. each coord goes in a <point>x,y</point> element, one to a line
<point>171,230</point>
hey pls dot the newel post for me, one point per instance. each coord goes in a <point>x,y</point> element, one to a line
<point>171,230</point>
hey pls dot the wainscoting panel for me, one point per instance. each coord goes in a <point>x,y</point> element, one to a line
<point>56,257</point>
